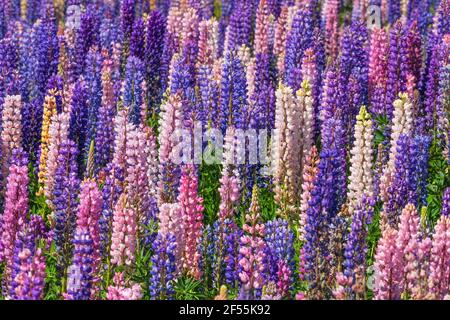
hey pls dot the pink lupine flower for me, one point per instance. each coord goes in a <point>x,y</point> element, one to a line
<point>121,290</point>
<point>407,246</point>
<point>207,42</point>
<point>309,177</point>
<point>279,47</point>
<point>251,252</point>
<point>15,210</point>
<point>88,215</point>
<point>263,24</point>
<point>120,140</point>
<point>192,211</point>
<point>58,133</point>
<point>11,134</point>
<point>330,13</point>
<point>439,278</point>
<point>124,233</point>
<point>387,267</point>
<point>171,221</point>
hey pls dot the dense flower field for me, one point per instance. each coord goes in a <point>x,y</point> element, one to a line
<point>239,149</point>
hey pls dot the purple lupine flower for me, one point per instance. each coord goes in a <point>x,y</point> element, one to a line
<point>327,197</point>
<point>446,203</point>
<point>394,11</point>
<point>233,95</point>
<point>163,270</point>
<point>137,40</point>
<point>127,16</point>
<point>154,45</point>
<point>86,37</point>
<point>28,269</point>
<point>299,39</point>
<point>65,200</point>
<point>80,273</point>
<point>280,251</point>
<point>240,26</point>
<point>132,88</point>
<point>418,175</point>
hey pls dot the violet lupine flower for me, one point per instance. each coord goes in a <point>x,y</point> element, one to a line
<point>28,269</point>
<point>163,270</point>
<point>111,191</point>
<point>15,206</point>
<point>330,94</point>
<point>65,200</point>
<point>123,290</point>
<point>280,254</point>
<point>127,16</point>
<point>252,249</point>
<point>240,27</point>
<point>79,120</point>
<point>81,272</point>
<point>352,280</point>
<point>124,233</point>
<point>132,88</point>
<point>361,173</point>
<point>154,41</point>
<point>439,285</point>
<point>137,40</point>
<point>104,135</point>
<point>88,217</point>
<point>327,197</point>
<point>446,203</point>
<point>298,40</point>
<point>192,211</point>
<point>233,95</point>
<point>11,134</point>
<point>394,10</point>
<point>387,267</point>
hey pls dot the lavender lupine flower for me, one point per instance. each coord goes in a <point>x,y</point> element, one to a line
<point>163,270</point>
<point>280,254</point>
<point>155,30</point>
<point>352,281</point>
<point>81,272</point>
<point>252,250</point>
<point>28,269</point>
<point>326,200</point>
<point>15,206</point>
<point>132,88</point>
<point>361,173</point>
<point>298,40</point>
<point>65,202</point>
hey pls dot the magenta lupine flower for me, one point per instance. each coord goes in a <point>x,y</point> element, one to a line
<point>123,290</point>
<point>11,130</point>
<point>124,233</point>
<point>439,277</point>
<point>192,211</point>
<point>387,267</point>
<point>330,14</point>
<point>251,252</point>
<point>88,216</point>
<point>15,209</point>
<point>378,61</point>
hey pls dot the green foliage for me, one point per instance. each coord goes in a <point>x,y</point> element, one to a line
<point>187,288</point>
<point>209,189</point>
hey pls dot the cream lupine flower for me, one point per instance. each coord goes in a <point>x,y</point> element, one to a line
<point>11,134</point>
<point>361,171</point>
